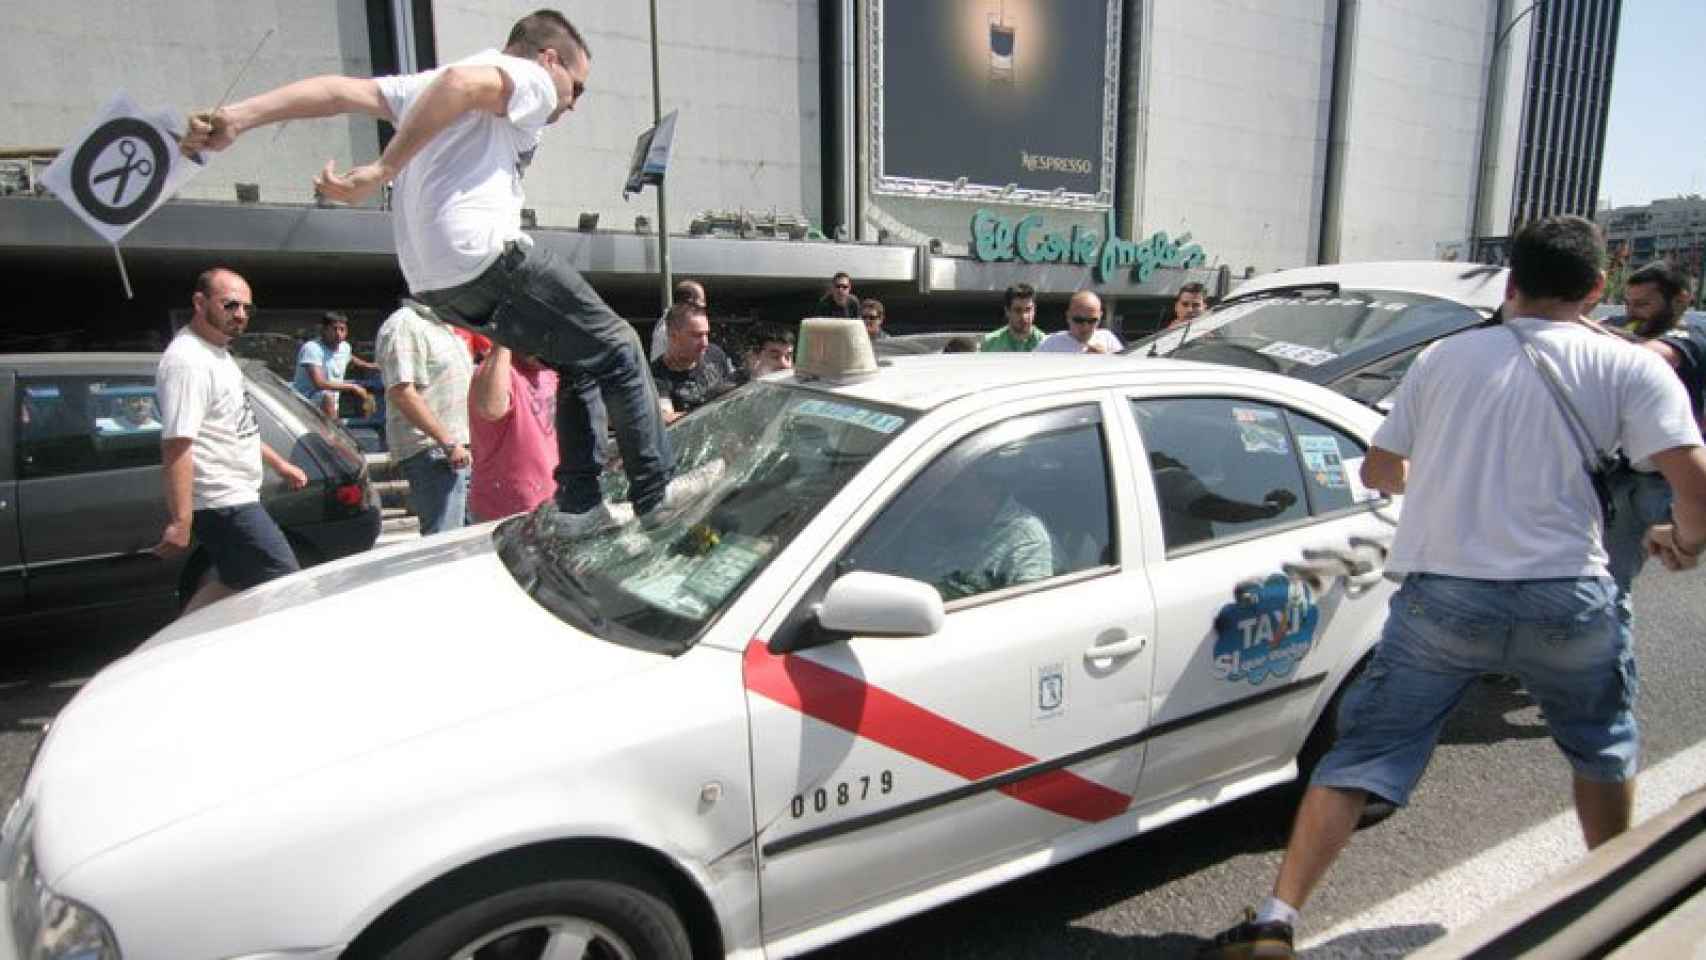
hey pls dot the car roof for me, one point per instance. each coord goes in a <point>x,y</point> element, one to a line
<point>1473,284</point>
<point>928,381</point>
<point>76,362</point>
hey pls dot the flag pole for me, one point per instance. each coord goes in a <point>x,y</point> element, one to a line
<point>668,284</point>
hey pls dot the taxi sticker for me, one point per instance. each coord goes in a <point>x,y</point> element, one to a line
<point>1321,458</point>
<point>1266,630</point>
<point>1298,353</point>
<point>846,413</point>
<point>1353,479</point>
<point>1260,430</point>
<point>1049,691</point>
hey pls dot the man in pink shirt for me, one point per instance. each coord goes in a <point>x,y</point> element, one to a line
<point>512,412</point>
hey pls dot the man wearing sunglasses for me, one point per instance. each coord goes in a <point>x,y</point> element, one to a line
<point>1084,332</point>
<point>211,448</point>
<point>465,135</point>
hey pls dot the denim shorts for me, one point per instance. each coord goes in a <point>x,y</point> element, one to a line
<point>1567,640</point>
<point>246,546</point>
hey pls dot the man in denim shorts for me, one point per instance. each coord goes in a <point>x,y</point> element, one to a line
<point>1503,557</point>
<point>466,133</point>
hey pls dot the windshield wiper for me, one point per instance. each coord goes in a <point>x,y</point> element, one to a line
<point>524,546</point>
<point>558,590</point>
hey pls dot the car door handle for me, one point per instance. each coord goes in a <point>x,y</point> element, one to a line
<point>1119,648</point>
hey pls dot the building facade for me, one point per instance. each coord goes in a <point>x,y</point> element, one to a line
<point>938,152</point>
<point>1565,106</point>
<point>1673,229</point>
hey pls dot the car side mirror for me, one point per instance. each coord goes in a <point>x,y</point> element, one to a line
<point>876,604</point>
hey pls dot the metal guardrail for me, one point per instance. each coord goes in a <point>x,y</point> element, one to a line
<point>1638,896</point>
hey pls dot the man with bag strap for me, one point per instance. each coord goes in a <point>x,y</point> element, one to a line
<point>1501,548</point>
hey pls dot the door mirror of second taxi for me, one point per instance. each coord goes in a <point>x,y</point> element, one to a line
<point>877,604</point>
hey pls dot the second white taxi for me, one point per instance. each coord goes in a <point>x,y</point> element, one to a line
<point>937,625</point>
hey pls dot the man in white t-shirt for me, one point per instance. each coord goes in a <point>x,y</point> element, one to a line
<point>1084,332</point>
<point>211,449</point>
<point>1502,550</point>
<point>465,135</point>
<point>426,370</point>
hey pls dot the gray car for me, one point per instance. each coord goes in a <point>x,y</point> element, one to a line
<point>81,499</point>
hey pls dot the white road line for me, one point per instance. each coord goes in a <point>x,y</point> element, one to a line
<point>1456,896</point>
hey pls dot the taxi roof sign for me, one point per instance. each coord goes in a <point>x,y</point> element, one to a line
<point>835,350</point>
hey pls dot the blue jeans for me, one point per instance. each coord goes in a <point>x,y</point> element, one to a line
<point>534,303</point>
<point>1641,499</point>
<point>1566,639</point>
<point>437,493</point>
<point>246,545</point>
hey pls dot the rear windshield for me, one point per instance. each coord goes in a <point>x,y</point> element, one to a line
<point>303,414</point>
<point>1290,334</point>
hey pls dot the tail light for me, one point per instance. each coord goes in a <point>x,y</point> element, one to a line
<point>349,495</point>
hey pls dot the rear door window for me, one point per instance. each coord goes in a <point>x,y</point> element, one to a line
<point>70,425</point>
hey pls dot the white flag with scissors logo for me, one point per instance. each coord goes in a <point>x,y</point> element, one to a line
<point>121,167</point>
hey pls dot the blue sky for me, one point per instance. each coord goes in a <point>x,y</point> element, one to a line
<point>1655,138</point>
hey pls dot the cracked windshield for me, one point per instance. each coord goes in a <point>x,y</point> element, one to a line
<point>779,453</point>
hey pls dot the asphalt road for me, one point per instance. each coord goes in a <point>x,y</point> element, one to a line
<point>1475,826</point>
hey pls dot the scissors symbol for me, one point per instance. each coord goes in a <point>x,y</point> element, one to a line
<point>145,167</point>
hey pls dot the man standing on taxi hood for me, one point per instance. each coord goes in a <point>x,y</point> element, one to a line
<point>466,134</point>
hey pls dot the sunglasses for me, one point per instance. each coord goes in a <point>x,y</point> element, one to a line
<point>562,64</point>
<point>1084,319</point>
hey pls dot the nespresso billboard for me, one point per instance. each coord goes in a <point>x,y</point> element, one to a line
<point>1008,100</point>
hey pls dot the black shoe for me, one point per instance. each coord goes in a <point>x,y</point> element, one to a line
<point>1251,941</point>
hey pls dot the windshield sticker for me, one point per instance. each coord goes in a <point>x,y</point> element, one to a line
<point>1260,430</point>
<point>662,587</point>
<point>1298,353</point>
<point>1321,458</point>
<point>1266,630</point>
<point>1353,479</point>
<point>727,562</point>
<point>847,413</point>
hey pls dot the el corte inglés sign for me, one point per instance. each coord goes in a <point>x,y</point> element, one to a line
<point>996,239</point>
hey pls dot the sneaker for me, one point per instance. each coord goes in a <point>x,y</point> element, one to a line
<point>1250,940</point>
<point>692,485</point>
<point>605,516</point>
<point>684,490</point>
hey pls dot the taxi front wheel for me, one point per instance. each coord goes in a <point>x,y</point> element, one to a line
<point>598,919</point>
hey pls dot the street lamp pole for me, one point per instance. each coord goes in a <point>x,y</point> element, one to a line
<point>1491,112</point>
<point>663,212</point>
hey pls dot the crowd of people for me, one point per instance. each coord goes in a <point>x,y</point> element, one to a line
<point>1515,546</point>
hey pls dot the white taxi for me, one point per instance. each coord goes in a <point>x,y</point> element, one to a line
<point>937,625</point>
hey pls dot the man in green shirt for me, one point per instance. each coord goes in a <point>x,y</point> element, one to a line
<point>1020,335</point>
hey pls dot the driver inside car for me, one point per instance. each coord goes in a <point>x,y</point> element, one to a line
<point>982,538</point>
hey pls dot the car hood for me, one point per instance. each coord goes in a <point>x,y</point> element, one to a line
<point>315,670</point>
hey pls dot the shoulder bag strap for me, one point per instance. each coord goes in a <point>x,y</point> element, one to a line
<point>1592,456</point>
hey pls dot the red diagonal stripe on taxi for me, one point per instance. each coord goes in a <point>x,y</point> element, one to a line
<point>899,724</point>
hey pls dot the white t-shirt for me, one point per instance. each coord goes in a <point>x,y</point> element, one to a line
<point>1497,489</point>
<point>458,201</point>
<point>414,349</point>
<point>201,395</point>
<point>1063,342</point>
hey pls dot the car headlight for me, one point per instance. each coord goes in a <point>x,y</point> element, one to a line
<point>45,925</point>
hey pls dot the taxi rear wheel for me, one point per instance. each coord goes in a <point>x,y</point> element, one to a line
<point>588,919</point>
